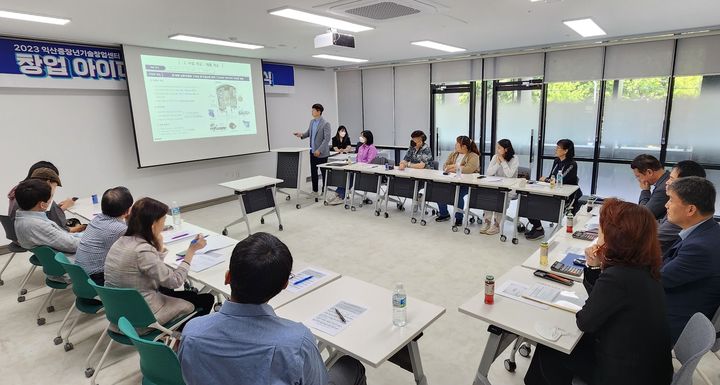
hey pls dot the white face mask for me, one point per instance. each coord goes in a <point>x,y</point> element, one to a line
<point>362,139</point>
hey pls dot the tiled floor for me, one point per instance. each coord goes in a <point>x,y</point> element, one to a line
<point>435,264</point>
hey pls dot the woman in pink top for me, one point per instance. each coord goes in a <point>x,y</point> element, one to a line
<point>366,152</point>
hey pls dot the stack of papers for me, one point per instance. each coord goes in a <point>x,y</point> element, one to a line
<point>304,279</point>
<point>561,299</point>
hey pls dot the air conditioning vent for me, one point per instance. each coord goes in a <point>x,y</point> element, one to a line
<point>383,11</point>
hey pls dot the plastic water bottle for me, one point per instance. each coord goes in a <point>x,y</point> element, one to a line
<point>559,179</point>
<point>458,172</point>
<point>399,301</point>
<point>175,211</point>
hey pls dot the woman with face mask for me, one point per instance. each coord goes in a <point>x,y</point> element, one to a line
<point>341,141</point>
<point>418,154</point>
<point>365,154</point>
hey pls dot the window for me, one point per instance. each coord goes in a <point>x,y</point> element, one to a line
<point>571,113</point>
<point>617,180</point>
<point>584,173</point>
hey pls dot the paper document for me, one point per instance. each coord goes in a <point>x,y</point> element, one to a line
<point>490,180</point>
<point>515,290</point>
<point>329,321</point>
<point>593,223</point>
<point>304,279</point>
<point>562,299</point>
<point>216,242</point>
<point>204,261</point>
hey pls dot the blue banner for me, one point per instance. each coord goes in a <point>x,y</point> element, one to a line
<point>278,75</point>
<point>32,63</point>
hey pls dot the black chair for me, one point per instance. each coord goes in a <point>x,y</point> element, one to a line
<point>15,248</point>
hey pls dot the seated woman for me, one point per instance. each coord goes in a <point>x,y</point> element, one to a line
<point>136,261</point>
<point>626,340</point>
<point>566,165</point>
<point>341,141</point>
<point>505,164</point>
<point>366,152</point>
<point>466,159</point>
<point>419,154</point>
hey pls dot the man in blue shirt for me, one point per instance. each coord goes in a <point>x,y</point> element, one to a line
<point>319,133</point>
<point>246,343</point>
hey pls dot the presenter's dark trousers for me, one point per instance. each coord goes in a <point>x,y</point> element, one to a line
<point>314,162</point>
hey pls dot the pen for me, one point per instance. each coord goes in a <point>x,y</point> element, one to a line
<point>194,241</point>
<point>340,315</point>
<point>303,280</point>
<point>180,236</point>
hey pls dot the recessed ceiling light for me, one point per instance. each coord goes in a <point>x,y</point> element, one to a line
<point>35,18</point>
<point>585,27</point>
<point>320,20</point>
<point>205,40</point>
<point>340,58</point>
<point>438,46</point>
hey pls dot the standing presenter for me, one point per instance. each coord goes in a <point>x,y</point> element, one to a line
<point>319,133</point>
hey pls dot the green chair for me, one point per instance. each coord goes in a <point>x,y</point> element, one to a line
<point>158,363</point>
<point>50,266</point>
<point>15,248</point>
<point>86,301</point>
<point>129,303</point>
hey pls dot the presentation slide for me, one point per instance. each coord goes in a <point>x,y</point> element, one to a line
<point>191,106</point>
<point>191,99</point>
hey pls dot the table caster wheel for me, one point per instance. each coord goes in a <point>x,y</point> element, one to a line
<point>377,213</point>
<point>503,238</point>
<point>262,221</point>
<point>413,220</point>
<point>472,220</point>
<point>325,203</point>
<point>524,350</point>
<point>466,231</point>
<point>515,241</point>
<point>352,208</point>
<point>455,229</point>
<point>69,346</point>
<point>280,228</point>
<point>423,222</point>
<point>23,291</point>
<point>89,372</point>
<point>58,340</point>
<point>287,198</point>
<point>41,321</point>
<point>387,215</point>
<point>21,298</point>
<point>434,212</point>
<point>50,309</point>
<point>347,207</point>
<point>225,232</point>
<point>297,206</point>
<point>510,366</point>
<point>316,200</point>
<point>521,228</point>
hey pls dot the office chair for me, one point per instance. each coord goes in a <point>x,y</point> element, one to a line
<point>716,347</point>
<point>50,267</point>
<point>15,248</point>
<point>158,363</point>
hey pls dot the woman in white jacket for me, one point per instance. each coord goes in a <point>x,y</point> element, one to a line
<point>505,164</point>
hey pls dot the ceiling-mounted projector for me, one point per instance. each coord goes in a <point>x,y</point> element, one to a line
<point>334,39</point>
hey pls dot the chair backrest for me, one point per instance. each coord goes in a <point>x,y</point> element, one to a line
<point>9,228</point>
<point>434,164</point>
<point>380,160</point>
<point>50,266</point>
<point>524,172</point>
<point>79,278</point>
<point>696,339</point>
<point>158,363</point>
<point>716,323</point>
<point>122,302</point>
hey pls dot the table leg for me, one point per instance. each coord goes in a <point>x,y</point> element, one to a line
<point>325,188</point>
<point>455,206</point>
<point>244,217</point>
<point>352,193</point>
<point>416,363</point>
<point>498,341</point>
<point>466,212</point>
<point>276,208</point>
<point>379,197</point>
<point>560,218</point>
<point>502,220</point>
<point>516,220</point>
<point>244,213</point>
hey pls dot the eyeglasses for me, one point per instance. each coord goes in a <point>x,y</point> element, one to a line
<point>292,276</point>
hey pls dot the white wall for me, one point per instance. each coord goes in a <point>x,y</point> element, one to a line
<point>88,135</point>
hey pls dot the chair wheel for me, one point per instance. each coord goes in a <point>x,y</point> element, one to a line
<point>466,231</point>
<point>280,228</point>
<point>297,206</point>
<point>23,291</point>
<point>402,208</point>
<point>387,215</point>
<point>69,346</point>
<point>413,220</point>
<point>352,208</point>
<point>515,241</point>
<point>21,298</point>
<point>472,220</point>
<point>325,203</point>
<point>287,198</point>
<point>262,221</point>
<point>503,238</point>
<point>455,229</point>
<point>58,340</point>
<point>423,222</point>
<point>524,350</point>
<point>89,372</point>
<point>50,309</point>
<point>377,213</point>
<point>41,321</point>
<point>217,307</point>
<point>224,232</point>
<point>510,366</point>
<point>316,200</point>
<point>347,207</point>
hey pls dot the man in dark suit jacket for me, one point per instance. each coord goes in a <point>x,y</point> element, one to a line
<point>651,175</point>
<point>319,133</point>
<point>691,267</point>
